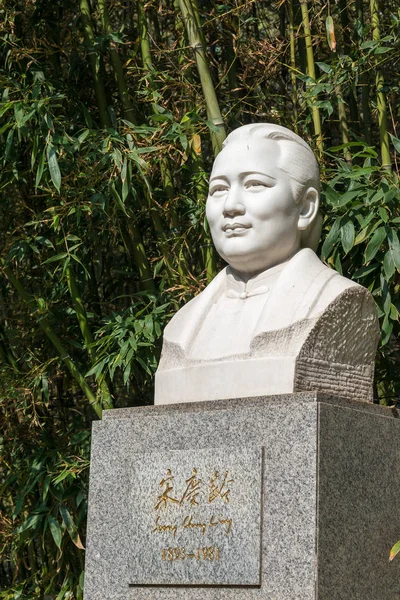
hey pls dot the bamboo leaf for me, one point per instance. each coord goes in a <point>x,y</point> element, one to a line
<point>394,550</point>
<point>55,258</point>
<point>39,170</point>
<point>331,239</point>
<point>375,243</point>
<point>395,142</point>
<point>55,530</point>
<point>348,197</point>
<point>387,328</point>
<point>388,265</point>
<point>330,32</point>
<point>364,271</point>
<point>97,369</point>
<point>54,169</point>
<point>31,523</point>
<point>326,68</point>
<point>347,234</point>
<point>71,527</point>
<point>331,196</point>
<point>117,197</point>
<point>384,214</point>
<point>394,246</point>
<point>9,143</point>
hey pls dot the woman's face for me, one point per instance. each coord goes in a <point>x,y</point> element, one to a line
<point>251,207</point>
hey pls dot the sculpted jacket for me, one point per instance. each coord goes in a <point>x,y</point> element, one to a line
<point>317,331</point>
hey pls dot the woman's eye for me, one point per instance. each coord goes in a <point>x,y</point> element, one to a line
<point>250,184</point>
<point>218,189</point>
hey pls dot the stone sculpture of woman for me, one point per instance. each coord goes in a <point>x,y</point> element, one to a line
<point>276,319</point>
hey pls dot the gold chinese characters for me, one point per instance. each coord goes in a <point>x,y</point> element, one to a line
<point>196,505</point>
<point>194,491</point>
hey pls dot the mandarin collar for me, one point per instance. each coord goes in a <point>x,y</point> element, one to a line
<point>236,287</point>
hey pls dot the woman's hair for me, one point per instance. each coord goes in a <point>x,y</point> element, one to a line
<point>297,160</point>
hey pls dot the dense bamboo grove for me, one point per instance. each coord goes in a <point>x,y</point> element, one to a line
<point>110,116</point>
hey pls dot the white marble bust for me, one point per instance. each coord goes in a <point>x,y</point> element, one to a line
<point>276,320</point>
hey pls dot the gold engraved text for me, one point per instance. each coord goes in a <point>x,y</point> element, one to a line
<point>191,523</point>
<point>192,490</point>
<point>211,553</point>
<point>165,497</point>
<point>227,522</point>
<point>218,488</point>
<point>164,527</point>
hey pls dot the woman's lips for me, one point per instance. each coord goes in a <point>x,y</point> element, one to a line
<point>236,226</point>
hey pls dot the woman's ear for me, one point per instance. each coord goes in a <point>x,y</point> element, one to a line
<point>308,208</point>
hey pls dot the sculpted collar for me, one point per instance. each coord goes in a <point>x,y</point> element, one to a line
<point>235,287</point>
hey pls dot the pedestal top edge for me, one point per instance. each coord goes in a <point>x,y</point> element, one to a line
<point>283,400</point>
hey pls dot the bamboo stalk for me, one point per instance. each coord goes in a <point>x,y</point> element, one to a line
<point>94,63</point>
<point>144,39</point>
<point>44,323</point>
<point>343,123</point>
<point>347,47</point>
<point>300,38</point>
<point>106,399</point>
<point>147,60</point>
<point>231,61</point>
<point>292,39</point>
<point>208,253</point>
<point>191,19</point>
<point>129,112</point>
<point>194,34</point>
<point>344,128</point>
<point>364,83</point>
<point>166,174</point>
<point>381,97</point>
<point>311,72</point>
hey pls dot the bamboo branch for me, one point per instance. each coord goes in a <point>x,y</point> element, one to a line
<point>84,326</point>
<point>134,244</point>
<point>6,354</point>
<point>129,112</point>
<point>44,323</point>
<point>94,63</point>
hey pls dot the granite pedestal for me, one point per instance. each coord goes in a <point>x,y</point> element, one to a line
<point>287,497</point>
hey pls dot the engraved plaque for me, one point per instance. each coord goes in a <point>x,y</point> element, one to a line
<point>196,517</point>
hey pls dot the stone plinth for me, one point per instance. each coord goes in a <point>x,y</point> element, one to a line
<point>276,498</point>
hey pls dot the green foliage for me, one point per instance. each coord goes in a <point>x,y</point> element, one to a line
<point>108,128</point>
<point>361,233</point>
<point>127,341</point>
<point>44,496</point>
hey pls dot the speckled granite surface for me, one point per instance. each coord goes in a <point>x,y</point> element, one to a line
<point>331,483</point>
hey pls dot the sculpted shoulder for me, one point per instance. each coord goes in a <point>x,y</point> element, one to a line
<point>183,319</point>
<point>304,290</point>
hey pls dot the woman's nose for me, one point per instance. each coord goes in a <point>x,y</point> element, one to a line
<point>233,202</point>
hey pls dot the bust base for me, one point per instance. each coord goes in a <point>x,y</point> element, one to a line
<point>330,478</point>
<point>251,377</point>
